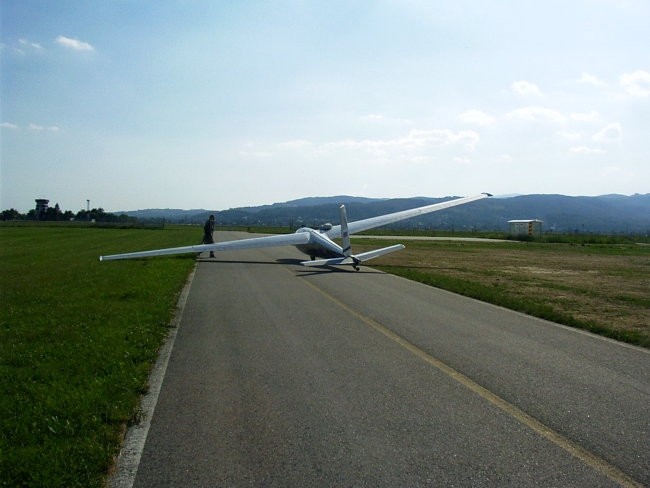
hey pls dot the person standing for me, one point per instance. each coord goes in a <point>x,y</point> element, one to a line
<point>208,229</point>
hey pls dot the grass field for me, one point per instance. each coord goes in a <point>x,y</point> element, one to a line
<point>77,337</point>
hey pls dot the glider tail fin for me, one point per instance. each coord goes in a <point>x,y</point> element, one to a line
<point>345,235</point>
<point>348,257</point>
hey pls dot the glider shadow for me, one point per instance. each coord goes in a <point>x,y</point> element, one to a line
<point>301,270</point>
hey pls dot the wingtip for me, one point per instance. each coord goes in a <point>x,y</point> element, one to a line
<point>487,194</point>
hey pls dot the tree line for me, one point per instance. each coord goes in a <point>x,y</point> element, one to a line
<point>55,213</point>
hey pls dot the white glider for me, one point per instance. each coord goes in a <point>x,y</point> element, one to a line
<point>314,243</point>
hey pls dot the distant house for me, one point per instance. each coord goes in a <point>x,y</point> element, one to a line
<point>532,228</point>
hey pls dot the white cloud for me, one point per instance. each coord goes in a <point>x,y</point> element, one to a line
<point>609,133</point>
<point>571,136</point>
<point>373,118</point>
<point>585,150</point>
<point>443,137</point>
<point>23,47</point>
<point>8,125</point>
<point>592,116</point>
<point>383,119</point>
<point>636,84</point>
<point>525,88</point>
<point>255,154</point>
<point>295,144</point>
<point>591,80</point>
<point>476,117</point>
<point>544,114</point>
<point>74,44</point>
<point>462,160</point>
<point>616,172</point>
<point>416,139</point>
<point>30,44</point>
<point>36,127</point>
<point>417,146</point>
<point>537,114</point>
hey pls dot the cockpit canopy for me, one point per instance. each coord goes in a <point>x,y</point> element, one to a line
<point>325,227</point>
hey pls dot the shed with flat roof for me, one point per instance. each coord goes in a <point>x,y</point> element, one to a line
<point>532,228</point>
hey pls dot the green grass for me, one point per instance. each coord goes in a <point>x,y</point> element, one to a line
<point>77,339</point>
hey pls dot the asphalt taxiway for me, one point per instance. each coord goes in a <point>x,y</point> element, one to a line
<point>282,375</point>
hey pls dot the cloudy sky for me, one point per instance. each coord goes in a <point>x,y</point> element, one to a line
<point>219,104</point>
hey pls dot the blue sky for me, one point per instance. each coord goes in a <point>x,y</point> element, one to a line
<point>209,104</point>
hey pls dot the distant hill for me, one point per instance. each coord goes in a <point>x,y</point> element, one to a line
<point>168,214</point>
<point>560,213</point>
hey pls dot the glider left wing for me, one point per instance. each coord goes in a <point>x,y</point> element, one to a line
<point>253,243</point>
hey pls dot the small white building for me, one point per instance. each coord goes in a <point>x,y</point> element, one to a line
<point>532,228</point>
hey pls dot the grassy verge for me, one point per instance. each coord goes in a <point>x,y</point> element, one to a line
<point>535,306</point>
<point>575,239</point>
<point>600,288</point>
<point>77,338</point>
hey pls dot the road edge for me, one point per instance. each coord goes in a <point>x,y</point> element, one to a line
<point>128,460</point>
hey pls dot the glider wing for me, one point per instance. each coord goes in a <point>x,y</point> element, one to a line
<point>253,243</point>
<point>371,223</point>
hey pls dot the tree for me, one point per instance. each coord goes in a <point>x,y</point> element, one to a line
<point>11,214</point>
<point>55,213</point>
<point>52,213</point>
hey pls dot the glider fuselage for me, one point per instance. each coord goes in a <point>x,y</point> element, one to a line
<point>319,245</point>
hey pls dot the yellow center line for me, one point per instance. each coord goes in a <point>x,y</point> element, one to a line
<point>548,433</point>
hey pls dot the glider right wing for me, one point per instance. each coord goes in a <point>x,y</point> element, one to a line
<point>371,223</point>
